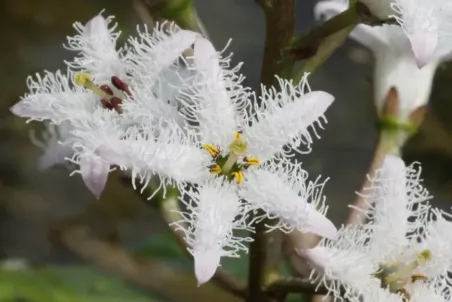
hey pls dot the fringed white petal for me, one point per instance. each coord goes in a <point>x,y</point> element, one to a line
<point>284,194</point>
<point>87,135</point>
<point>343,263</point>
<point>53,97</point>
<point>37,107</point>
<point>284,118</point>
<point>378,294</point>
<point>96,48</point>
<point>217,101</point>
<point>420,292</point>
<point>215,111</point>
<point>151,104</point>
<point>152,52</point>
<point>437,240</point>
<point>173,156</point>
<point>54,151</point>
<point>394,195</point>
<point>213,213</point>
<point>94,171</point>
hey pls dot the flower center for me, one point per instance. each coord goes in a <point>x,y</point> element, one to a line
<point>108,99</point>
<point>230,165</point>
<point>397,276</point>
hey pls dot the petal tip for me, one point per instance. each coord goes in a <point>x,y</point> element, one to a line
<point>322,226</point>
<point>206,263</point>
<point>95,174</point>
<point>17,109</point>
<point>423,46</point>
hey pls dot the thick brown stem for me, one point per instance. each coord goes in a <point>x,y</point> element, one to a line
<point>279,22</point>
<point>265,251</point>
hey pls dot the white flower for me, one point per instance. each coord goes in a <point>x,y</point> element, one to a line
<point>395,64</point>
<point>104,93</point>
<point>255,157</point>
<point>425,23</point>
<point>401,253</point>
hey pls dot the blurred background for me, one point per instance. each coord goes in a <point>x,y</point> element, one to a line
<point>41,261</point>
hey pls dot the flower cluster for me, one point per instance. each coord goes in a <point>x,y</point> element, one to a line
<point>168,106</point>
<point>406,56</point>
<point>104,93</point>
<point>401,254</point>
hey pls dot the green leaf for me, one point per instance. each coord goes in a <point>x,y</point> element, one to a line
<point>65,284</point>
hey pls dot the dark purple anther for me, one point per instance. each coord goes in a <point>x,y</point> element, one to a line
<point>106,89</point>
<point>106,104</point>
<point>118,83</point>
<point>115,102</point>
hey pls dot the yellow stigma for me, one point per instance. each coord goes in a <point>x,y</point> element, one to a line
<point>405,273</point>
<point>82,79</point>
<point>238,146</point>
<point>238,135</point>
<point>214,151</point>
<point>395,264</point>
<point>215,169</point>
<point>251,161</point>
<point>238,177</point>
<point>423,257</point>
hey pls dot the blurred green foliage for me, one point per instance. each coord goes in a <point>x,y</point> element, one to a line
<point>65,284</point>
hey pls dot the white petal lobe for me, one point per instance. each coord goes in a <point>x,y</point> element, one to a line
<point>275,195</point>
<point>212,215</point>
<point>94,172</point>
<point>284,119</point>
